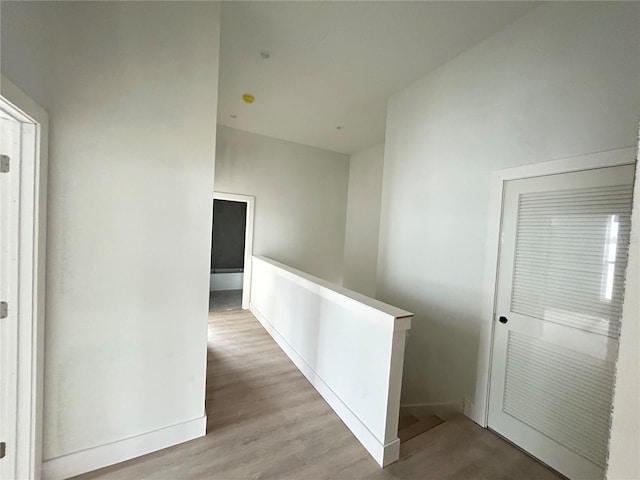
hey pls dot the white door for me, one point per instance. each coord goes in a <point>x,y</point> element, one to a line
<point>10,143</point>
<point>563,255</point>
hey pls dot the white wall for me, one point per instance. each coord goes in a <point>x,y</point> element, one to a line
<point>226,281</point>
<point>301,198</point>
<point>363,220</point>
<point>561,81</point>
<point>131,90</point>
<point>624,461</point>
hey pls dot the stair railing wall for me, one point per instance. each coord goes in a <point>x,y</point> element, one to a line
<point>350,348</point>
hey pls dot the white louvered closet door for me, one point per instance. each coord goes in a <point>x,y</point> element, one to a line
<point>563,257</point>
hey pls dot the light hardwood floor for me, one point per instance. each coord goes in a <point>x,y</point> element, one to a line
<point>265,421</point>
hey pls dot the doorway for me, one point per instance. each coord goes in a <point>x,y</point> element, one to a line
<point>231,252</point>
<point>558,298</point>
<point>23,173</point>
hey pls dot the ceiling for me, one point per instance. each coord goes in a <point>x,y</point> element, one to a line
<point>335,64</point>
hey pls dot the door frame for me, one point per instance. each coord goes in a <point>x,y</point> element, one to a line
<point>248,240</point>
<point>31,279</point>
<point>479,411</point>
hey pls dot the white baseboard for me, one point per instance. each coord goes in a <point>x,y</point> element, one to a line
<point>444,410</point>
<point>98,457</point>
<point>382,453</point>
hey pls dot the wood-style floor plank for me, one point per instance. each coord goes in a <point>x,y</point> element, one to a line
<point>265,421</point>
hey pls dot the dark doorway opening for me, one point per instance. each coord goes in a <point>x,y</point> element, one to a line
<point>227,255</point>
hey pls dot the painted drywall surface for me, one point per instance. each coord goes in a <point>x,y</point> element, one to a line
<point>624,444</point>
<point>131,90</point>
<point>559,82</point>
<point>301,198</point>
<point>226,281</point>
<point>352,348</point>
<point>363,220</point>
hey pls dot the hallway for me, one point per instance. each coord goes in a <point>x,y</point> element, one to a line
<point>266,421</point>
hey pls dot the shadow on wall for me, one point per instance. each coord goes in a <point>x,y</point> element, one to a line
<point>438,330</point>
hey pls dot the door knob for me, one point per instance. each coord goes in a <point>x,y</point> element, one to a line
<point>503,319</point>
